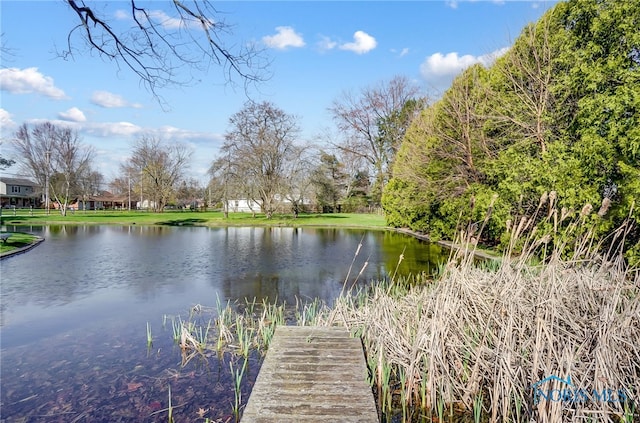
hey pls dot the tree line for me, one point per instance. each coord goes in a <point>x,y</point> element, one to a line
<point>550,129</point>
<point>548,136</point>
<point>263,159</point>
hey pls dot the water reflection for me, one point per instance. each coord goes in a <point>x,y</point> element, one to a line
<point>73,311</point>
<point>83,272</point>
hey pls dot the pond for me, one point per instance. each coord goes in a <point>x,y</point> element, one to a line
<point>74,311</point>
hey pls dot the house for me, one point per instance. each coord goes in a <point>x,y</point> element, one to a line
<point>19,193</point>
<point>243,205</point>
<point>103,201</point>
<point>249,206</point>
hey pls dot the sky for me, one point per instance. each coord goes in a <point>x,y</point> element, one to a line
<point>316,51</point>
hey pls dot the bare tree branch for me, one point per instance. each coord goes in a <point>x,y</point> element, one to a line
<point>373,123</point>
<point>157,46</point>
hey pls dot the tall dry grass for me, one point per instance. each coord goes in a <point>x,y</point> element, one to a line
<point>479,339</point>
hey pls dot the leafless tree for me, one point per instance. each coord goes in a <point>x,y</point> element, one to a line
<point>528,74</point>
<point>374,122</point>
<point>155,169</point>
<point>89,184</point>
<point>261,152</point>
<point>6,52</point>
<point>156,45</point>
<point>189,193</point>
<point>297,181</point>
<point>56,159</point>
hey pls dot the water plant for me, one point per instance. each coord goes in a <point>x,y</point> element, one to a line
<point>307,313</point>
<point>477,408</point>
<point>491,332</point>
<point>149,337</point>
<point>473,341</point>
<point>176,326</point>
<point>244,335</point>
<point>237,373</point>
<point>170,407</point>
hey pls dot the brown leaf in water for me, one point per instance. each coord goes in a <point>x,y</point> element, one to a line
<point>132,386</point>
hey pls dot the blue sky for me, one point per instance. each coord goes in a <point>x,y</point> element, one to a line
<point>317,50</point>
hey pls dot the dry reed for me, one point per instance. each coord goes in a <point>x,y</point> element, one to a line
<point>484,340</point>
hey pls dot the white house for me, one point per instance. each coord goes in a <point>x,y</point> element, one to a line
<point>242,205</point>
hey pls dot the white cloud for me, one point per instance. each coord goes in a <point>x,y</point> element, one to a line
<point>161,18</point>
<point>130,130</point>
<point>111,101</point>
<point>73,114</point>
<point>113,129</point>
<point>400,53</point>
<point>121,15</point>
<point>28,81</point>
<point>168,132</point>
<point>326,43</point>
<point>167,21</point>
<point>286,37</point>
<point>5,119</point>
<point>362,43</point>
<point>440,69</point>
<point>455,3</point>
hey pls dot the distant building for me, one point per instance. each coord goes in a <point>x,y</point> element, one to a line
<point>283,205</point>
<point>103,201</point>
<point>243,205</point>
<point>19,193</point>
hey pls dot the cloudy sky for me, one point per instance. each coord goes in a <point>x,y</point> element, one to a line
<point>316,51</point>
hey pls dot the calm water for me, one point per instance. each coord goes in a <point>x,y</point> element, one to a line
<point>73,311</point>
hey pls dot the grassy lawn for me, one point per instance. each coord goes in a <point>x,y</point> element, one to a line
<point>16,240</point>
<point>187,218</point>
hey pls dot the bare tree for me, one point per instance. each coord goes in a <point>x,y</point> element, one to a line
<point>156,169</point>
<point>528,75</point>
<point>89,184</point>
<point>220,184</point>
<point>260,151</point>
<point>297,184</point>
<point>156,45</point>
<point>189,193</point>
<point>374,122</point>
<point>6,163</point>
<point>56,159</point>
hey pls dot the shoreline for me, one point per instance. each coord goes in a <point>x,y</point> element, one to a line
<point>485,255</point>
<point>22,250</point>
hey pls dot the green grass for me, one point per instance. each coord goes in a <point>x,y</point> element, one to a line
<point>189,218</point>
<point>16,240</point>
<point>176,218</point>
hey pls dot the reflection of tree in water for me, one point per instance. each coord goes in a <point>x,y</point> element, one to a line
<point>97,286</point>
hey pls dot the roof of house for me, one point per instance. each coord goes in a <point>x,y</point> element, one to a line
<point>18,181</point>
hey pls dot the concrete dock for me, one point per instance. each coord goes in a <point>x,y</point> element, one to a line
<point>312,374</point>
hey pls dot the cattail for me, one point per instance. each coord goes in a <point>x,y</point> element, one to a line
<point>564,213</point>
<point>543,199</point>
<point>552,199</point>
<point>586,209</point>
<point>521,226</point>
<point>604,207</point>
